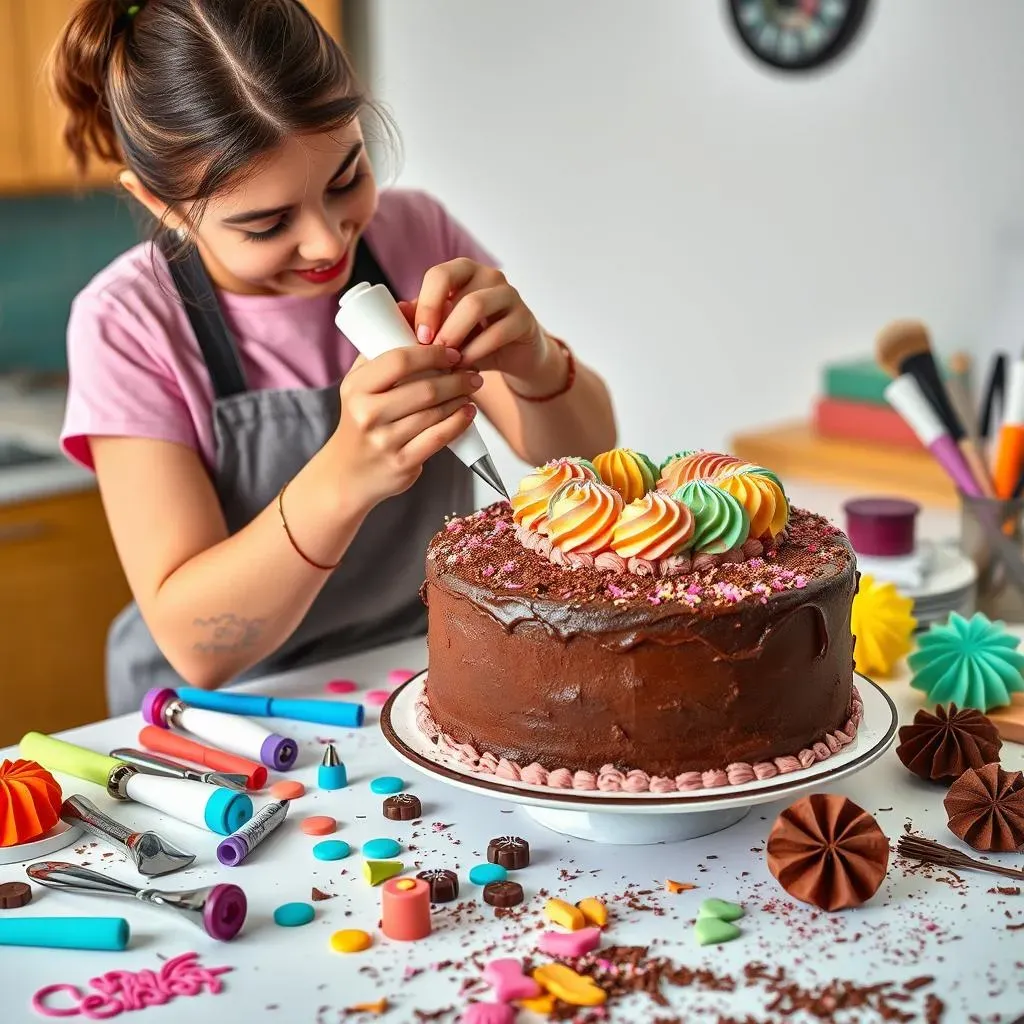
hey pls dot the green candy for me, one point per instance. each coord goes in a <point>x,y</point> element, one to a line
<point>710,931</point>
<point>720,521</point>
<point>721,910</point>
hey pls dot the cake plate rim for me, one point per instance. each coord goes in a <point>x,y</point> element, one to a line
<point>845,762</point>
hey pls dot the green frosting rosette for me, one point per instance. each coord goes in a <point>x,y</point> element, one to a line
<point>721,523</point>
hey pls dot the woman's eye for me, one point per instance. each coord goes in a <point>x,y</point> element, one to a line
<point>263,236</point>
<point>347,187</point>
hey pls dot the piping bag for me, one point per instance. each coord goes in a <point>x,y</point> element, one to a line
<point>325,712</point>
<point>370,318</point>
<point>164,708</point>
<point>219,810</point>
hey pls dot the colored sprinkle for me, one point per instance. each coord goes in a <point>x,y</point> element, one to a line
<point>332,849</point>
<point>318,825</point>
<point>484,874</point>
<point>381,849</point>
<point>386,785</point>
<point>293,915</point>
<point>287,790</point>
<point>341,686</point>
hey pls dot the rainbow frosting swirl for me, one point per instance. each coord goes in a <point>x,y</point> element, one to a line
<point>678,472</point>
<point>530,502</point>
<point>629,472</point>
<point>652,527</point>
<point>582,515</point>
<point>721,523</point>
<point>760,492</point>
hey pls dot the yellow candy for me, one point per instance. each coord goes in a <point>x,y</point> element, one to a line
<point>565,984</point>
<point>542,1005</point>
<point>594,911</point>
<point>564,914</point>
<point>350,940</point>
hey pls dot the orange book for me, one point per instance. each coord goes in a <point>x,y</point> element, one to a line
<point>859,421</point>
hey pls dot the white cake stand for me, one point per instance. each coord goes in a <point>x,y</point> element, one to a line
<point>636,819</point>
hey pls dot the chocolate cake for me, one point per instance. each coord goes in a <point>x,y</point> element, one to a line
<point>625,627</point>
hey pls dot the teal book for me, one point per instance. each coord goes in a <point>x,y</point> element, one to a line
<point>860,380</point>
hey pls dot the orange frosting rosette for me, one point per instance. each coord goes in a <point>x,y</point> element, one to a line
<point>30,802</point>
<point>530,502</point>
<point>694,466</point>
<point>652,527</point>
<point>582,515</point>
<point>760,493</point>
<point>629,472</point>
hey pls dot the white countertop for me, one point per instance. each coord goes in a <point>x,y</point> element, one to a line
<point>923,922</point>
<point>35,419</point>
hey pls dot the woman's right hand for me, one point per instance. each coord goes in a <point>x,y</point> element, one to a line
<point>396,411</point>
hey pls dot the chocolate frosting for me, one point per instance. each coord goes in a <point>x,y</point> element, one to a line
<point>827,851</point>
<point>536,662</point>
<point>985,807</point>
<point>940,747</point>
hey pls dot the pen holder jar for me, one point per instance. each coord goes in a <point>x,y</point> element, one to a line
<point>992,536</point>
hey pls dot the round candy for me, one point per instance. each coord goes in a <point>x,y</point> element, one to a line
<point>386,785</point>
<point>319,825</point>
<point>14,895</point>
<point>381,849</point>
<point>397,676</point>
<point>332,849</point>
<point>377,697</point>
<point>510,852</point>
<point>484,874</point>
<point>444,884</point>
<point>287,790</point>
<point>402,807</point>
<point>341,686</point>
<point>503,894</point>
<point>351,940</point>
<point>292,915</point>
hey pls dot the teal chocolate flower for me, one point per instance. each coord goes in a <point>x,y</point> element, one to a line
<point>972,662</point>
<point>721,523</point>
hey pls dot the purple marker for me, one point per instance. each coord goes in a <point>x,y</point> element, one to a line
<point>233,850</point>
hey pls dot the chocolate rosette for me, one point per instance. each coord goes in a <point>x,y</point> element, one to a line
<point>940,747</point>
<point>985,807</point>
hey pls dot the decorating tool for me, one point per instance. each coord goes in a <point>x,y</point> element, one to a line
<point>903,347</point>
<point>109,933</point>
<point>371,320</point>
<point>162,707</point>
<point>151,854</point>
<point>331,774</point>
<point>166,742</point>
<point>1009,453</point>
<point>218,810</point>
<point>154,765</point>
<point>233,850</point>
<point>218,909</point>
<point>345,714</point>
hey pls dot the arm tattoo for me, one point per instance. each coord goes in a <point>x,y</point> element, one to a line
<point>225,634</point>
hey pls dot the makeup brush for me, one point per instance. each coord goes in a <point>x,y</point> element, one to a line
<point>1009,457</point>
<point>994,395</point>
<point>958,384</point>
<point>904,347</point>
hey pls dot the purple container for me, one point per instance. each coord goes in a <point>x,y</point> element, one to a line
<point>153,704</point>
<point>881,526</point>
<point>224,912</point>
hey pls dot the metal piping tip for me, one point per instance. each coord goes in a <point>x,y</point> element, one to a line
<point>239,783</point>
<point>485,469</point>
<point>330,757</point>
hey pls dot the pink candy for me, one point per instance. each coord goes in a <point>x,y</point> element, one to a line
<point>397,676</point>
<point>377,697</point>
<point>570,944</point>
<point>508,981</point>
<point>488,1013</point>
<point>341,686</point>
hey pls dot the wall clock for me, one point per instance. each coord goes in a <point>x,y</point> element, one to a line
<point>797,35</point>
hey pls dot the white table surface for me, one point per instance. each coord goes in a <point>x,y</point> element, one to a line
<point>922,922</point>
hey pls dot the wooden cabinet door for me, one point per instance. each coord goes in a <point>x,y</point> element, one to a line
<point>328,13</point>
<point>13,119</point>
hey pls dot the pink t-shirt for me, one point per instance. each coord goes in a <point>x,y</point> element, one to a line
<point>135,369</point>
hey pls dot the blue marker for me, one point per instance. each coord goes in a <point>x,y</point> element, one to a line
<point>65,932</point>
<point>325,712</point>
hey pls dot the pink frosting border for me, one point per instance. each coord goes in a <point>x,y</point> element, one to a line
<point>612,780</point>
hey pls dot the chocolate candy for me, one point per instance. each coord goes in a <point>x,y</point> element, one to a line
<point>444,884</point>
<point>503,894</point>
<point>511,852</point>
<point>402,807</point>
<point>14,895</point>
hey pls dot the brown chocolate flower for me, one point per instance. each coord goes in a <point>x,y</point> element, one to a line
<point>827,851</point>
<point>941,747</point>
<point>986,809</point>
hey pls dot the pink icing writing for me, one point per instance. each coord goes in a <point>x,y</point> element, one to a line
<point>611,780</point>
<point>122,991</point>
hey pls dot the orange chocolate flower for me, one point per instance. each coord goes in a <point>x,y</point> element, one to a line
<point>530,502</point>
<point>30,801</point>
<point>654,526</point>
<point>582,516</point>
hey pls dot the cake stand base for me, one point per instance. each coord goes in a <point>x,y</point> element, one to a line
<point>634,829</point>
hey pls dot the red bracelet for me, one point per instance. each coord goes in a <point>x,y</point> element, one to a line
<point>288,533</point>
<point>570,377</point>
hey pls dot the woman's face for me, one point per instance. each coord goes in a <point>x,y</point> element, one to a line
<point>291,228</point>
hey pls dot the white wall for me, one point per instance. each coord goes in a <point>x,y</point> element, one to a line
<point>704,231</point>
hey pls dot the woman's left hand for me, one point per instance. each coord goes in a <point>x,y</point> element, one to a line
<point>465,305</point>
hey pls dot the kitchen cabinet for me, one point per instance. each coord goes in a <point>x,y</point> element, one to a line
<point>61,586</point>
<point>32,154</point>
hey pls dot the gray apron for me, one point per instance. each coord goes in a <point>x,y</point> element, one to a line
<point>263,438</point>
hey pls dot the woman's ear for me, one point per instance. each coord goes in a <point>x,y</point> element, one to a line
<point>160,211</point>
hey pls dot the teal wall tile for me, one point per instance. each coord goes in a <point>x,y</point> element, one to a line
<point>50,246</point>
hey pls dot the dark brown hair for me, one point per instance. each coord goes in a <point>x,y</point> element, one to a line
<point>190,93</point>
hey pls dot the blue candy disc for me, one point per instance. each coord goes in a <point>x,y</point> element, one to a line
<point>386,785</point>
<point>483,874</point>
<point>332,849</point>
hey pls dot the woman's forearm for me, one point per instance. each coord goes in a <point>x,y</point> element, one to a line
<point>237,602</point>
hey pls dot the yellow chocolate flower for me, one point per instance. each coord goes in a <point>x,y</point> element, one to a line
<point>654,526</point>
<point>760,493</point>
<point>696,466</point>
<point>530,502</point>
<point>883,626</point>
<point>582,515</point>
<point>629,472</point>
